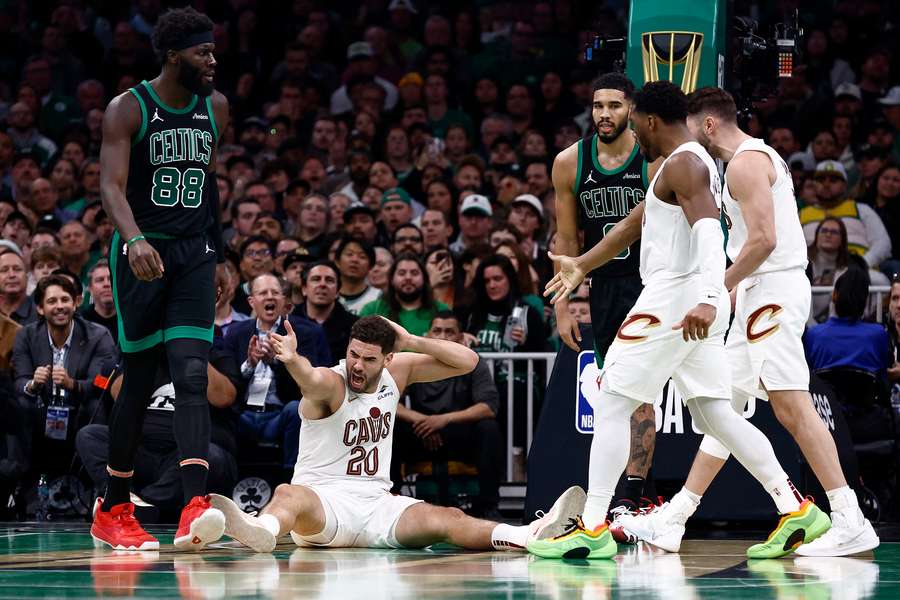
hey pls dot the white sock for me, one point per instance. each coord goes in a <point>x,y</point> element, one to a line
<point>271,523</point>
<point>843,500</point>
<point>785,495</point>
<point>595,508</point>
<point>509,537</point>
<point>684,504</point>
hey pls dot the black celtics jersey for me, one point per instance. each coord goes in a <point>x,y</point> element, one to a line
<point>167,172</point>
<point>604,198</point>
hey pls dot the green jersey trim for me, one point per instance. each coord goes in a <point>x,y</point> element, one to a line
<point>618,169</point>
<point>187,331</point>
<point>166,107</point>
<point>212,117</point>
<point>143,130</point>
<point>644,175</point>
<point>578,171</point>
<point>127,345</point>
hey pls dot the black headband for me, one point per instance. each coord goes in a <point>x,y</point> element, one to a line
<point>194,39</point>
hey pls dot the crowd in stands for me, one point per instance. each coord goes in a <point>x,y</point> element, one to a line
<point>385,157</point>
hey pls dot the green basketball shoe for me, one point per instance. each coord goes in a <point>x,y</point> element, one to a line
<point>799,527</point>
<point>576,542</point>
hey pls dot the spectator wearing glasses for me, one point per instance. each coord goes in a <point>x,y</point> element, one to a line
<point>407,238</point>
<point>829,258</point>
<point>269,408</point>
<point>256,258</point>
<point>866,235</point>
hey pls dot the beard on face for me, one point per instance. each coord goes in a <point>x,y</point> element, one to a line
<point>608,138</point>
<point>190,77</point>
<point>409,296</point>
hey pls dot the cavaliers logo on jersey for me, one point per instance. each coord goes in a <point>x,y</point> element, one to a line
<point>761,323</point>
<point>632,328</point>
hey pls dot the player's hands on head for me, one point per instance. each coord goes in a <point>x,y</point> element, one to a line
<point>402,336</point>
<point>567,280</point>
<point>284,346</point>
<point>145,261</point>
<point>696,323</point>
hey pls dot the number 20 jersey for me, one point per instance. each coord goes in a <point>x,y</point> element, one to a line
<point>351,447</point>
<point>167,170</point>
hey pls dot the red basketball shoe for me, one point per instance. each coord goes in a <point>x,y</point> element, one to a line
<point>200,524</point>
<point>120,530</point>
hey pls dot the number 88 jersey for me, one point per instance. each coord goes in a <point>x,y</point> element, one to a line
<point>167,170</point>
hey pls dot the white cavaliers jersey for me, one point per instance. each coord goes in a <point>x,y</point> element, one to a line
<point>352,446</point>
<point>666,251</point>
<point>790,243</point>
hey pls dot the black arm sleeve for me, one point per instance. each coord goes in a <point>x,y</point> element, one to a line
<point>214,232</point>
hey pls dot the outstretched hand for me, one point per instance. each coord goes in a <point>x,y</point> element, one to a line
<point>567,280</point>
<point>284,346</point>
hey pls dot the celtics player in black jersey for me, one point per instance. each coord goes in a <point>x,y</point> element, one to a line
<point>158,184</point>
<point>599,180</point>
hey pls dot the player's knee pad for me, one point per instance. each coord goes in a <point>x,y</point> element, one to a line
<point>190,380</point>
<point>710,445</point>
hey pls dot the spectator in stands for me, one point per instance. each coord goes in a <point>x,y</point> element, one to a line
<point>25,134</point>
<point>866,235</point>
<point>443,276</point>
<point>256,259</point>
<point>25,169</point>
<point>829,258</point>
<point>439,196</point>
<point>527,215</point>
<point>269,411</point>
<point>893,372</point>
<point>436,229</point>
<point>407,238</point>
<point>453,419</point>
<point>886,201</point>
<point>15,302</point>
<point>17,229</point>
<point>527,280</point>
<point>284,248</point>
<point>378,275</point>
<point>267,226</point>
<point>870,160</point>
<point>313,224</point>
<point>408,299</point>
<point>396,209</point>
<point>102,309</point>
<point>243,216</point>
<point>296,262</point>
<point>75,243</point>
<point>56,358</point>
<point>845,340</point>
<point>359,223</point>
<point>225,287</point>
<point>44,260</point>
<point>337,205</point>
<point>156,472</point>
<point>355,259</point>
<point>362,67</point>
<point>580,309</point>
<point>321,282</point>
<point>475,215</point>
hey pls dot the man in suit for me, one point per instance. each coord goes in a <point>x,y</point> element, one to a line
<point>56,359</point>
<point>269,411</point>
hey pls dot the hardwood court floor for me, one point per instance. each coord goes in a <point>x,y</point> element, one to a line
<point>60,562</point>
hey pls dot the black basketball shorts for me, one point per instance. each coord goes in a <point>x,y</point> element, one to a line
<point>181,304</point>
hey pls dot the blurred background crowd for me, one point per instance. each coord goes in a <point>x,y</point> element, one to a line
<point>387,157</point>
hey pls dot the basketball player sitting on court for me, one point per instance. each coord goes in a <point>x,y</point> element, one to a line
<point>340,494</point>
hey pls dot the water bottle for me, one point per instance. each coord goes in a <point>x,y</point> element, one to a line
<point>516,319</point>
<point>43,497</point>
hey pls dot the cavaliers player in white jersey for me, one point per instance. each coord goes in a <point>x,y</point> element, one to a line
<point>340,493</point>
<point>771,293</point>
<point>675,330</point>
